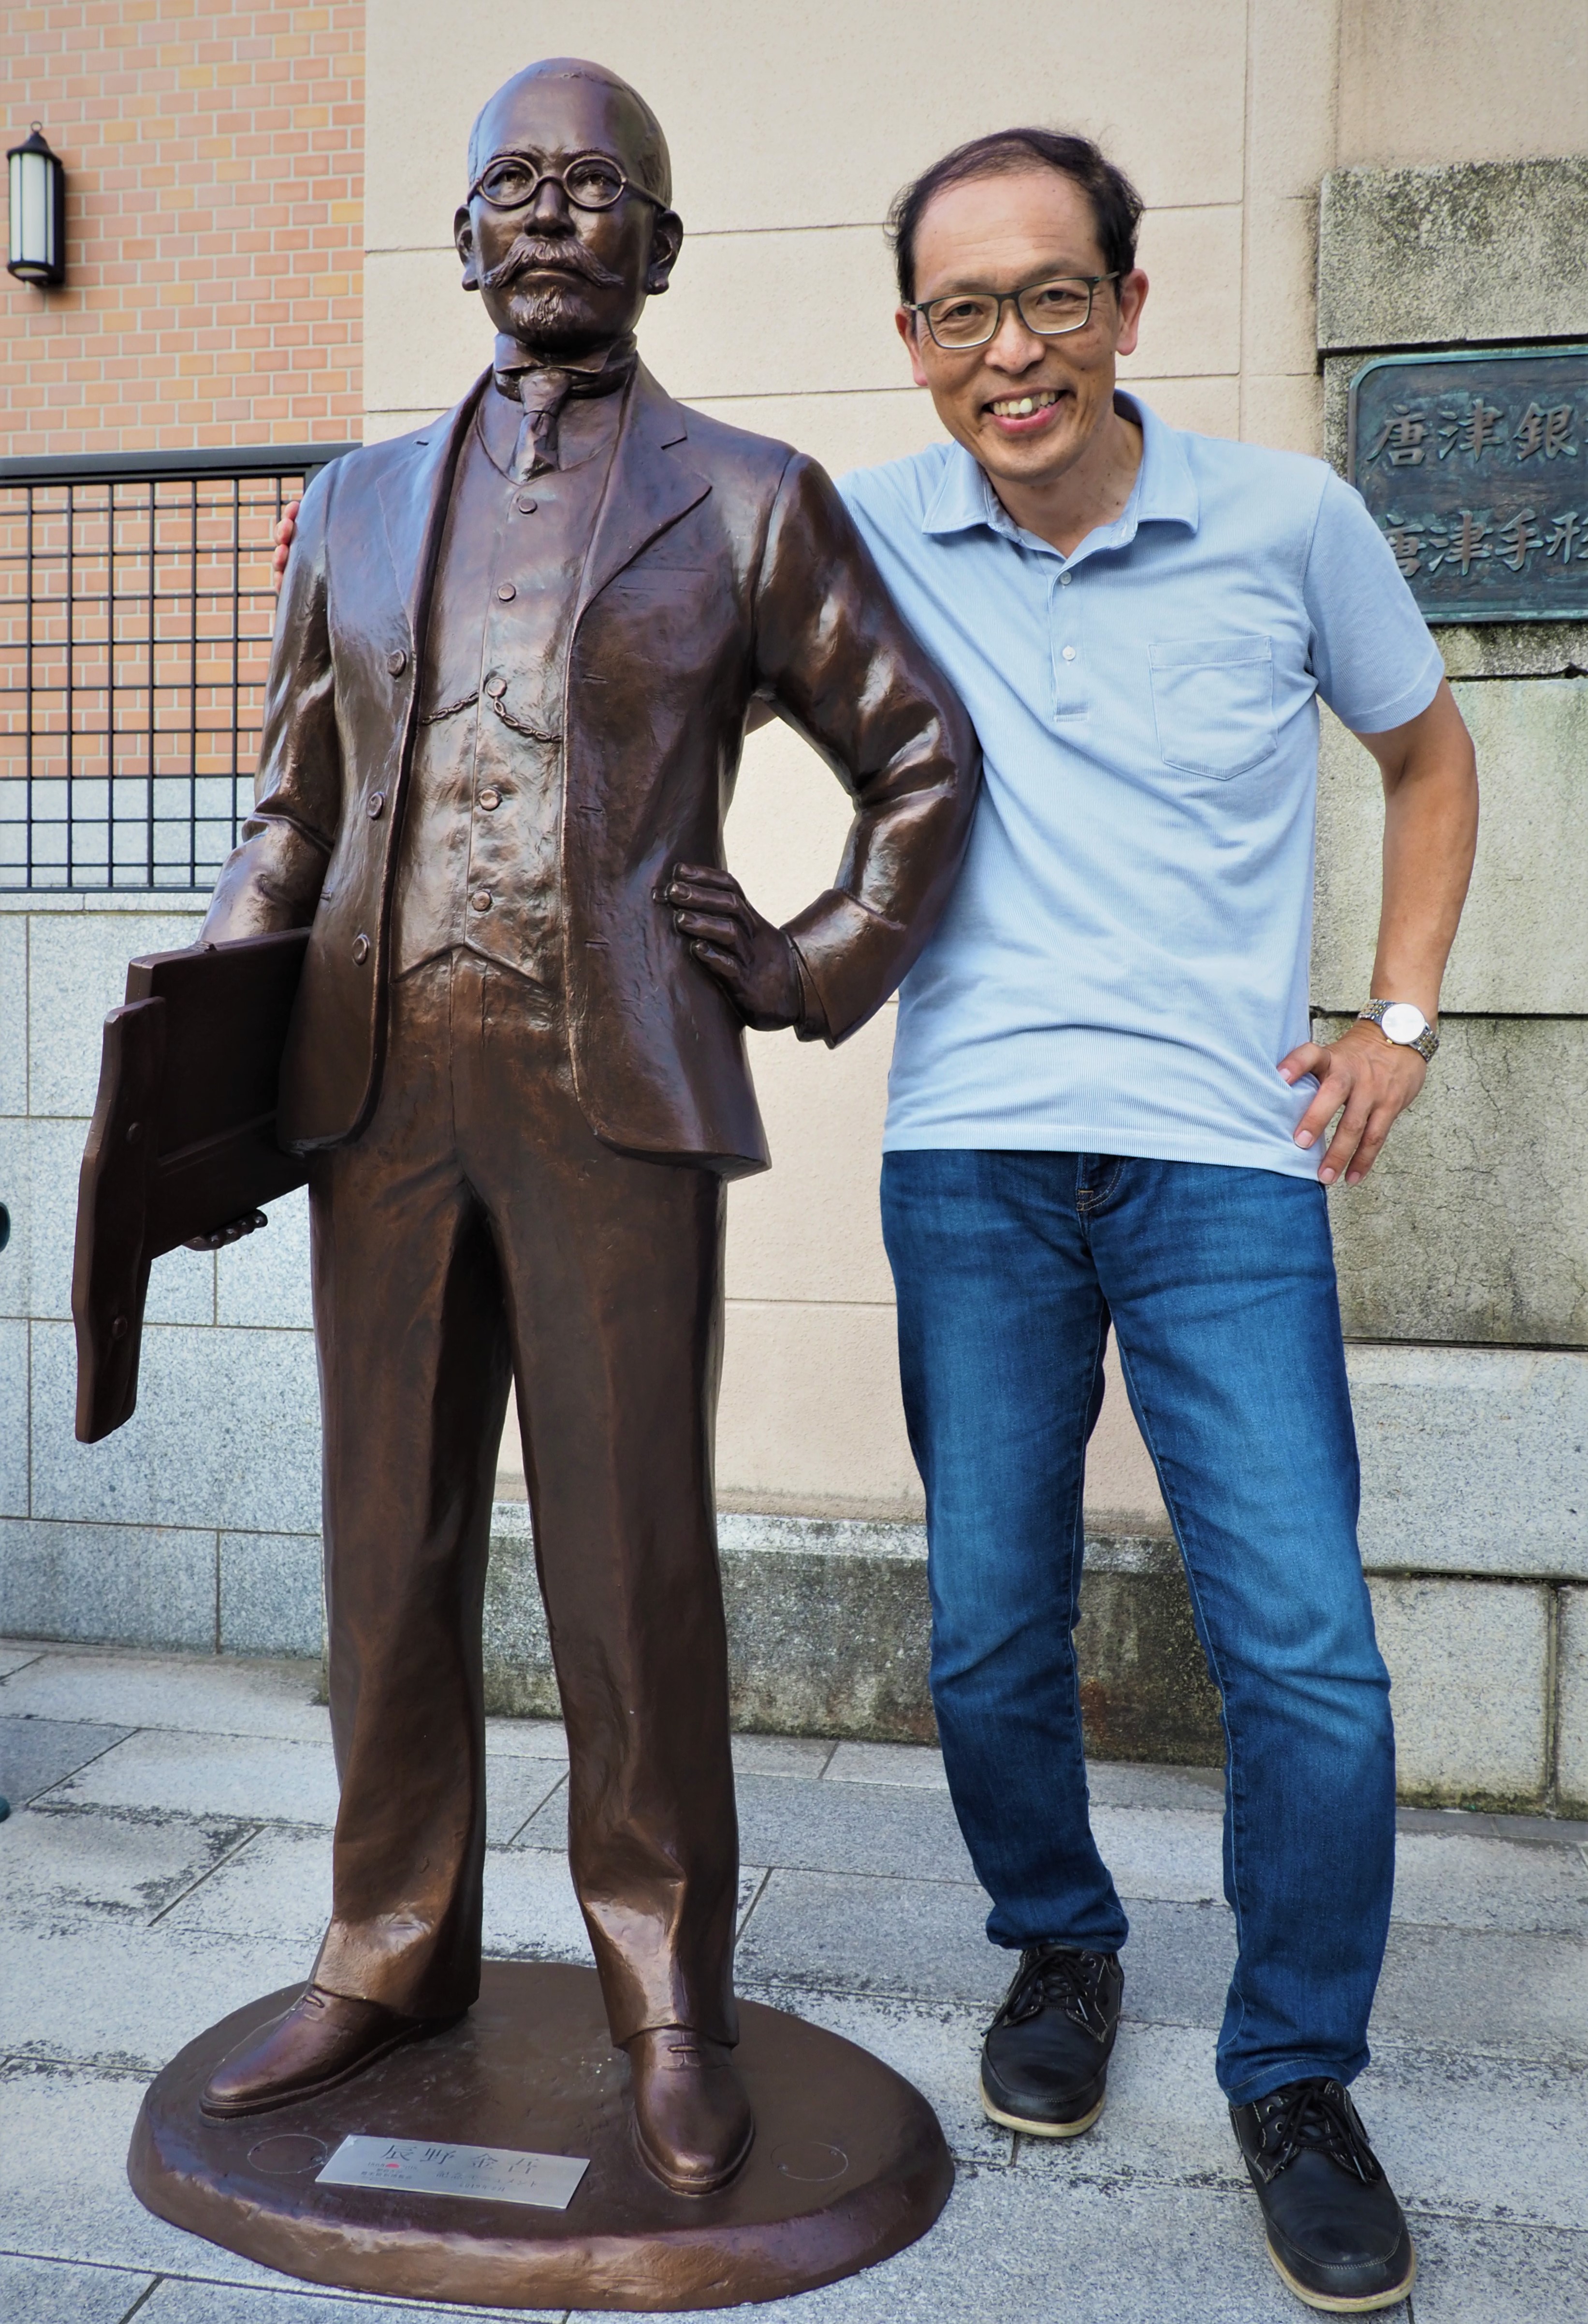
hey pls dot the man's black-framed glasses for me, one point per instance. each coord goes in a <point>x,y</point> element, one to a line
<point>591,181</point>
<point>1050,308</point>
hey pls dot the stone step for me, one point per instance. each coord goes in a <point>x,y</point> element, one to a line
<point>829,1627</point>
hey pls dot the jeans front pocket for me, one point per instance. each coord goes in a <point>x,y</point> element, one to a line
<point>1214,701</point>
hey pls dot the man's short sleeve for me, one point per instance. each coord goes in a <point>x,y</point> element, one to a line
<point>1375,663</point>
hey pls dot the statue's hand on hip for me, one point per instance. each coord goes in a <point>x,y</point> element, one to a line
<point>753,961</point>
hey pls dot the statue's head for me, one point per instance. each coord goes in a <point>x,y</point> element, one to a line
<point>565,263</point>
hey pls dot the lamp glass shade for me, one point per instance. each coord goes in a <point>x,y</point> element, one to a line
<point>38,212</point>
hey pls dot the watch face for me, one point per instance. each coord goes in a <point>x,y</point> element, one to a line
<point>1403,1023</point>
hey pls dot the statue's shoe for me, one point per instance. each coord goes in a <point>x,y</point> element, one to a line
<point>693,2126</point>
<point>324,2039</point>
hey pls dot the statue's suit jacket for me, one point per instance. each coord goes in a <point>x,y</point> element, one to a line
<point>724,570</point>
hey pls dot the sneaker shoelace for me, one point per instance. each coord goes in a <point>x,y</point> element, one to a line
<point>1317,2114</point>
<point>1056,1977</point>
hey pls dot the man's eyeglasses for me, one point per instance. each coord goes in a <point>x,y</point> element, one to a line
<point>970,319</point>
<point>591,182</point>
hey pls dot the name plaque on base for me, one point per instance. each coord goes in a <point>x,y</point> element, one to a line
<point>491,2174</point>
<point>1476,468</point>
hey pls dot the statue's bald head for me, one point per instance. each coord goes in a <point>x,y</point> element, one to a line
<point>565,103</point>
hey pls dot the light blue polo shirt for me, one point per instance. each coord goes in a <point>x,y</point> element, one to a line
<point>1125,960</point>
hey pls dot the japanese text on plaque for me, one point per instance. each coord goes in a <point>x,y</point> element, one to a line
<point>1475,469</point>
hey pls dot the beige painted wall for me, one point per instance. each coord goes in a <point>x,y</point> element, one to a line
<point>791,128</point>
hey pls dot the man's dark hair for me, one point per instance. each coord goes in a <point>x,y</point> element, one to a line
<point>1116,206</point>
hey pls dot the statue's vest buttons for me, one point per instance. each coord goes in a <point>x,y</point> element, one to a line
<point>490,801</point>
<point>480,900</point>
<point>396,661</point>
<point>524,504</point>
<point>495,687</point>
<point>374,804</point>
<point>507,593</point>
<point>360,950</point>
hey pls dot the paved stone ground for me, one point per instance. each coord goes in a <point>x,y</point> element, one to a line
<point>167,1856</point>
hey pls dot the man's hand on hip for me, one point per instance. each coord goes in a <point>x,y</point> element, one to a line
<point>1371,1078</point>
<point>754,961</point>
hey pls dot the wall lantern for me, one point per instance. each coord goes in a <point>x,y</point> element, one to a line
<point>38,213</point>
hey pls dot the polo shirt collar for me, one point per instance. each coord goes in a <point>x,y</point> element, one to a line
<point>1164,493</point>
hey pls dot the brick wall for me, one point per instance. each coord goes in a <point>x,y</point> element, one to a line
<point>214,152</point>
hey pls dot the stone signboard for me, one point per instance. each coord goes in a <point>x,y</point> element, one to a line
<point>1475,468</point>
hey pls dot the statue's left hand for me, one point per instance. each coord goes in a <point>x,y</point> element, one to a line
<point>754,961</point>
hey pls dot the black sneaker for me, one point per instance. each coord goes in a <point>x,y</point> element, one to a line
<point>1045,2060</point>
<point>1337,2233</point>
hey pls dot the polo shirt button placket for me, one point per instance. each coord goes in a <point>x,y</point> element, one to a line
<point>1069,690</point>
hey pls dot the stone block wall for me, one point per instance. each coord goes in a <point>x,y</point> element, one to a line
<point>198,1524</point>
<point>1463,1258</point>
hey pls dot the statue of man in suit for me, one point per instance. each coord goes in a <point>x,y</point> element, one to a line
<point>514,662</point>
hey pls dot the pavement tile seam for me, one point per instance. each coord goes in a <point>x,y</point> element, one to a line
<point>288,2288</point>
<point>794,1983</point>
<point>97,2266</point>
<point>219,1735</point>
<point>756,1894</point>
<point>29,1720</point>
<point>817,1871</point>
<point>209,1872</point>
<point>519,1829</point>
<point>17,2068</point>
<point>111,2065</point>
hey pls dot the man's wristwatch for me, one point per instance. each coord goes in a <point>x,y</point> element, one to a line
<point>1402,1022</point>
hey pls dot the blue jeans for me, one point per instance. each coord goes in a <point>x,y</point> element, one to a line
<point>1220,1284</point>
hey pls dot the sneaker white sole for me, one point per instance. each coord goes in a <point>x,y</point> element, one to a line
<point>1343,2307</point>
<point>1040,2129</point>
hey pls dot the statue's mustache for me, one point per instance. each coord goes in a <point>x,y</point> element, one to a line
<point>569,256</point>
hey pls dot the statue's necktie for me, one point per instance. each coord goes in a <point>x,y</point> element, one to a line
<point>543,390</point>
<point>543,394</point>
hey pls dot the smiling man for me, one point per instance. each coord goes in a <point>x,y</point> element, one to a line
<point>1104,1109</point>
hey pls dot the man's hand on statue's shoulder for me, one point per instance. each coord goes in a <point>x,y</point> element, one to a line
<point>754,962</point>
<point>286,532</point>
<point>1365,1079</point>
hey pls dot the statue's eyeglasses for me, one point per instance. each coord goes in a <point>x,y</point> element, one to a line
<point>593,181</point>
<point>1049,308</point>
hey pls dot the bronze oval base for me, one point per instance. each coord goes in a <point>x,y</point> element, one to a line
<point>849,2164</point>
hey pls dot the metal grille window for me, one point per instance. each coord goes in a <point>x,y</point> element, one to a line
<point>135,615</point>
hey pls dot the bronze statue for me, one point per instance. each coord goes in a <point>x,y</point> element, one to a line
<point>515,659</point>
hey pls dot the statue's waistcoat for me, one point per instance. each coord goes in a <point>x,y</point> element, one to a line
<point>479,866</point>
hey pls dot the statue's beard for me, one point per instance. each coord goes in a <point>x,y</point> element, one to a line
<point>554,319</point>
<point>548,314</point>
<point>551,311</point>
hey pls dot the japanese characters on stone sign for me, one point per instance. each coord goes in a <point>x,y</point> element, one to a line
<point>1475,468</point>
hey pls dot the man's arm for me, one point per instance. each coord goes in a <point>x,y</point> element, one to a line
<point>1430,833</point>
<point>836,658</point>
<point>273,881</point>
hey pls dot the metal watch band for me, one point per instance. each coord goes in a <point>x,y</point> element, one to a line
<point>1427,1042</point>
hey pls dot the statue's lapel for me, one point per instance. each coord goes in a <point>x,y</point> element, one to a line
<point>413,505</point>
<point>650,486</point>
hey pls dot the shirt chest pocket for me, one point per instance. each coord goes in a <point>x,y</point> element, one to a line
<point>1214,701</point>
